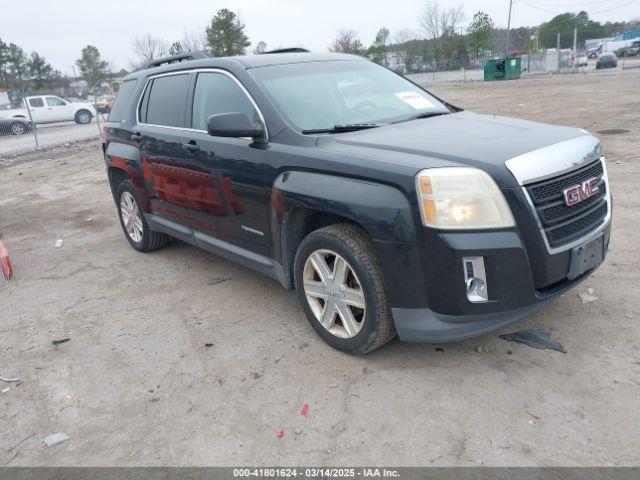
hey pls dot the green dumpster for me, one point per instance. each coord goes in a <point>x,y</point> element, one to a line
<point>502,69</point>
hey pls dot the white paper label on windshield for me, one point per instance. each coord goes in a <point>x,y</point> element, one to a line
<point>414,99</point>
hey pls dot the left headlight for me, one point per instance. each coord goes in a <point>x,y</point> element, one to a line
<point>461,198</point>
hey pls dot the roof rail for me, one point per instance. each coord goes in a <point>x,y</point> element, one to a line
<point>183,57</point>
<point>287,50</point>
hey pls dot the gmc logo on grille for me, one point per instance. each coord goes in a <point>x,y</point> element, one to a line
<point>578,193</point>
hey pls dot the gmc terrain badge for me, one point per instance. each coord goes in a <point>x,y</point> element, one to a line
<point>578,193</point>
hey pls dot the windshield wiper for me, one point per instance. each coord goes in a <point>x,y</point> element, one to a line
<point>423,115</point>
<point>347,127</point>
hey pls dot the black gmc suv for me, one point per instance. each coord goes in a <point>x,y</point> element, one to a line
<point>389,210</point>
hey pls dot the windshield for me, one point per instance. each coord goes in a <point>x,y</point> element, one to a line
<point>321,95</point>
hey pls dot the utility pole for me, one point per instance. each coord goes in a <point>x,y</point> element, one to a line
<point>558,52</point>
<point>506,53</point>
<point>529,54</point>
<point>575,45</point>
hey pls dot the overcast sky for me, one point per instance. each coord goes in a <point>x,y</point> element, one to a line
<point>59,29</point>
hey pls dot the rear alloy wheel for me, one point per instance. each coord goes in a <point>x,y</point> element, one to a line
<point>340,287</point>
<point>134,226</point>
<point>18,128</point>
<point>131,217</point>
<point>83,117</point>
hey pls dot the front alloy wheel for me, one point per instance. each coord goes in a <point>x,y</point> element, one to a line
<point>131,216</point>
<point>334,293</point>
<point>340,286</point>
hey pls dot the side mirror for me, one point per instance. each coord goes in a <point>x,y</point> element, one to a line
<point>233,124</point>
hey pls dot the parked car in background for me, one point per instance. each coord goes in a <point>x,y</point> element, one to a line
<point>104,103</point>
<point>607,60</point>
<point>15,126</point>
<point>50,108</point>
<point>630,51</point>
<point>582,60</point>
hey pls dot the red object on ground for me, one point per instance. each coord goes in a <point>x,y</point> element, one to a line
<point>5,262</point>
<point>305,410</point>
<point>280,433</point>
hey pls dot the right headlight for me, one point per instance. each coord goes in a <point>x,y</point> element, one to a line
<point>461,198</point>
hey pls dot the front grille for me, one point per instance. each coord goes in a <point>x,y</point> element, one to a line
<point>548,189</point>
<point>561,223</point>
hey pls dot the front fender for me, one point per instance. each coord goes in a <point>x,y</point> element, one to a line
<point>383,211</point>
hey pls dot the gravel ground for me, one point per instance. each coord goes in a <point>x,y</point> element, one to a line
<point>165,368</point>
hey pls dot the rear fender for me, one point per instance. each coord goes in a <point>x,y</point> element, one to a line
<point>127,158</point>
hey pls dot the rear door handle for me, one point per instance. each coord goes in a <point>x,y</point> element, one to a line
<point>136,137</point>
<point>191,147</point>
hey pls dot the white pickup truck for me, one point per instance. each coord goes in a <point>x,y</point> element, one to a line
<point>49,108</point>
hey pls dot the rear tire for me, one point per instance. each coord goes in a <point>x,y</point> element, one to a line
<point>17,128</point>
<point>361,291</point>
<point>133,223</point>
<point>83,117</point>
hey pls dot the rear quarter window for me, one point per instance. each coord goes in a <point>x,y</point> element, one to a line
<point>167,101</point>
<point>123,100</point>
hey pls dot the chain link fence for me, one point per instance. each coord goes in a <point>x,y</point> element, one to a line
<point>539,63</point>
<point>31,120</point>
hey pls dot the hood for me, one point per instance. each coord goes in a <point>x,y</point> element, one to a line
<point>463,138</point>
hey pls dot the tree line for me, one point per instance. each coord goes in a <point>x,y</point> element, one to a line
<point>444,42</point>
<point>441,42</point>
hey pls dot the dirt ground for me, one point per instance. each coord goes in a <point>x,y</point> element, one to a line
<point>138,385</point>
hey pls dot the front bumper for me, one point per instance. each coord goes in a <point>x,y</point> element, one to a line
<point>425,325</point>
<point>445,313</point>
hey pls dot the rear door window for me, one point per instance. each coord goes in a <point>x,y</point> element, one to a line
<point>167,103</point>
<point>36,102</point>
<point>123,100</point>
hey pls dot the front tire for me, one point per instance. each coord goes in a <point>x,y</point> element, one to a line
<point>83,117</point>
<point>132,221</point>
<point>340,286</point>
<point>17,128</point>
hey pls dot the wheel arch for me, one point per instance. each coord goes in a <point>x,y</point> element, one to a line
<point>305,201</point>
<point>122,164</point>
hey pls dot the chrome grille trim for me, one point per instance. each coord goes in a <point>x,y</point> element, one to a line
<point>554,160</point>
<point>593,233</point>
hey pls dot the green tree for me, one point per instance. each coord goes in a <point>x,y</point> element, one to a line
<point>347,42</point>
<point>92,68</point>
<point>564,25</point>
<point>378,49</point>
<point>479,33</point>
<point>176,48</point>
<point>260,48</point>
<point>225,35</point>
<point>16,66</point>
<point>40,72</point>
<point>4,58</point>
